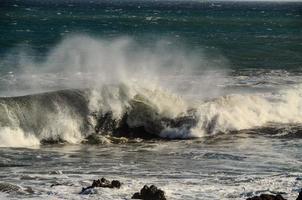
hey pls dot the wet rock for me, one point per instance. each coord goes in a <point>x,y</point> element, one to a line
<point>11,188</point>
<point>267,197</point>
<point>136,195</point>
<point>116,184</point>
<point>87,191</point>
<point>150,193</point>
<point>300,195</point>
<point>104,183</point>
<point>8,188</point>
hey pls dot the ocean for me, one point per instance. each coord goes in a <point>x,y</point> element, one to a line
<point>201,98</point>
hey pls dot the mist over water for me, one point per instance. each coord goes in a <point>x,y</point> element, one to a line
<point>81,61</point>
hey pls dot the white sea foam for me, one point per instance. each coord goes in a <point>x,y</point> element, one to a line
<point>223,114</point>
<point>119,72</point>
<point>244,111</point>
<point>63,126</point>
<point>15,137</point>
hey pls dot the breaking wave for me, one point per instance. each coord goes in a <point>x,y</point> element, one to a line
<point>133,111</point>
<point>121,94</point>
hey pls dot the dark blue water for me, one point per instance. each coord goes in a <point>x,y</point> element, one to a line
<point>248,34</point>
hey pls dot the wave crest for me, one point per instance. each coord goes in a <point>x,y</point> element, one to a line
<point>135,111</point>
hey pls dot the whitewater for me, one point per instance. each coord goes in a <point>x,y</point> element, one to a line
<point>114,89</point>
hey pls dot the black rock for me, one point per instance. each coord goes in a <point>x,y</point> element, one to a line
<point>267,197</point>
<point>106,183</point>
<point>102,183</point>
<point>87,190</point>
<point>145,191</point>
<point>136,195</point>
<point>115,184</point>
<point>300,196</point>
<point>96,183</point>
<point>150,193</point>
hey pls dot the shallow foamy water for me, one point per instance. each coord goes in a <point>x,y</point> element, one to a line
<point>223,167</point>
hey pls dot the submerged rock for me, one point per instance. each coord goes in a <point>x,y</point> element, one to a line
<point>101,183</point>
<point>267,197</point>
<point>150,193</point>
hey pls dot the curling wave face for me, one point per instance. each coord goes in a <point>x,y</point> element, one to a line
<point>132,111</point>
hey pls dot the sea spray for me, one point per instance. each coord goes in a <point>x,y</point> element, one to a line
<point>81,61</point>
<point>15,137</point>
<point>118,87</point>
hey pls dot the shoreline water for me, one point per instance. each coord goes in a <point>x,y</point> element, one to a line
<point>237,167</point>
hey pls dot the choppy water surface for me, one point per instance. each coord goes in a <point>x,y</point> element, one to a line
<point>249,34</point>
<point>223,167</point>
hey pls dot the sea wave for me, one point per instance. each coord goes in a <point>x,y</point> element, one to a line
<point>135,111</point>
<point>124,89</point>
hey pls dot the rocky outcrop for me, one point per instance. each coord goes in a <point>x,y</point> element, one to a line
<point>11,188</point>
<point>8,188</point>
<point>267,197</point>
<point>150,193</point>
<point>104,183</point>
